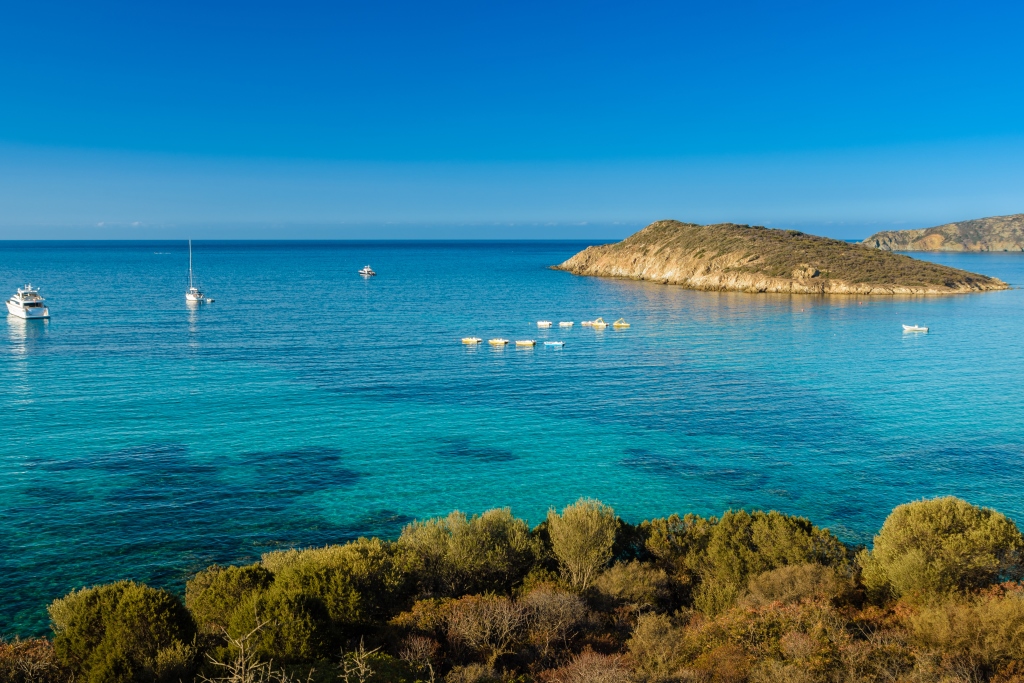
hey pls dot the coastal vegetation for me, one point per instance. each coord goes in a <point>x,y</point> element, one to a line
<point>998,233</point>
<point>747,258</point>
<point>583,597</point>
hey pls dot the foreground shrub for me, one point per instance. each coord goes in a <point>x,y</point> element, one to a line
<point>582,538</point>
<point>941,546</point>
<point>976,636</point>
<point>454,555</point>
<point>287,626</point>
<point>213,595</point>
<point>373,569</point>
<point>554,617</point>
<point>638,585</point>
<point>590,667</point>
<point>31,661</point>
<point>744,544</point>
<point>488,626</point>
<point>797,583</point>
<point>123,633</point>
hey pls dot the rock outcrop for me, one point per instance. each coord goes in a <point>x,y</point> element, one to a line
<point>999,233</point>
<point>745,258</point>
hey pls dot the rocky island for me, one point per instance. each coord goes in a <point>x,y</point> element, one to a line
<point>744,258</point>
<point>998,233</point>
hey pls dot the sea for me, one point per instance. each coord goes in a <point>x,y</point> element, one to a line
<point>143,438</point>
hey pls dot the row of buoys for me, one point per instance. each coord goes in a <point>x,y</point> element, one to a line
<point>524,343</point>
<point>598,324</point>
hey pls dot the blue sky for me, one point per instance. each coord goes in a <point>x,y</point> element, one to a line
<point>502,119</point>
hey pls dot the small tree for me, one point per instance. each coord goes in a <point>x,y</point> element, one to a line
<point>582,538</point>
<point>941,546</point>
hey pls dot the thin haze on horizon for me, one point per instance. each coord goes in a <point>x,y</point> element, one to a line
<point>499,120</point>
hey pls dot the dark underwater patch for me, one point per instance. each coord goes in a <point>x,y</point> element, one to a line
<point>657,463</point>
<point>464,449</point>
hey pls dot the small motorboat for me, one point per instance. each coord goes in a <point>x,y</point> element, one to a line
<point>620,324</point>
<point>367,271</point>
<point>525,342</point>
<point>497,342</point>
<point>27,304</point>
<point>587,323</point>
<point>565,324</point>
<point>471,340</point>
<point>914,328</point>
<point>558,344</point>
<point>209,300</point>
<point>543,324</point>
<point>598,324</point>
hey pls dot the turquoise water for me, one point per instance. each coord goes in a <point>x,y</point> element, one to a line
<point>144,439</point>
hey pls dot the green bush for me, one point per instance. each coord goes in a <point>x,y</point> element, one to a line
<point>796,583</point>
<point>743,544</point>
<point>582,538</point>
<point>639,585</point>
<point>456,555</point>
<point>941,546</point>
<point>376,570</point>
<point>123,633</point>
<point>213,595</point>
<point>286,626</point>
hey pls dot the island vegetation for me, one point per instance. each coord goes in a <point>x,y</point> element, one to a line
<point>998,233</point>
<point>745,258</point>
<point>583,597</point>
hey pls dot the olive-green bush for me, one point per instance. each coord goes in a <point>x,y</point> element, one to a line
<point>123,632</point>
<point>213,595</point>
<point>456,555</point>
<point>936,547</point>
<point>582,538</point>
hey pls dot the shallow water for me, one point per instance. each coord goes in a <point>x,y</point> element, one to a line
<point>145,439</point>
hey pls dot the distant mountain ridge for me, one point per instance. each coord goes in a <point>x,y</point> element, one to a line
<point>743,258</point>
<point>997,233</point>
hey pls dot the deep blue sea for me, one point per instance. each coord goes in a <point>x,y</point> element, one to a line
<point>145,439</point>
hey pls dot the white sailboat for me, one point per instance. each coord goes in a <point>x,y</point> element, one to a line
<point>192,294</point>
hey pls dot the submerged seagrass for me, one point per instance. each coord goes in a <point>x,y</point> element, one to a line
<point>997,233</point>
<point>743,258</point>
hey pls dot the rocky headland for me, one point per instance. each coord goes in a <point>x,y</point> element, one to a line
<point>744,258</point>
<point>998,233</point>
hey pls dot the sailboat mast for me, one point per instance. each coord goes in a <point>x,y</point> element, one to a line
<point>190,264</point>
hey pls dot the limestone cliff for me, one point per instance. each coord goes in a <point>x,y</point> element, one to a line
<point>747,258</point>
<point>999,233</point>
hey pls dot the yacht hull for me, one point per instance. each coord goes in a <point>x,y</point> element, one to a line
<point>28,313</point>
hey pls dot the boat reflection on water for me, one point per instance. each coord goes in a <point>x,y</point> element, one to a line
<point>22,332</point>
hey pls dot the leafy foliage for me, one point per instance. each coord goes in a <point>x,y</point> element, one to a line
<point>751,597</point>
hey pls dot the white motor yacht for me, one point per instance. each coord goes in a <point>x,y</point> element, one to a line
<point>192,294</point>
<point>366,271</point>
<point>27,304</point>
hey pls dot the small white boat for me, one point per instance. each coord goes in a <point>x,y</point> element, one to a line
<point>497,342</point>
<point>543,324</point>
<point>525,342</point>
<point>587,323</point>
<point>565,324</point>
<point>192,294</point>
<point>471,340</point>
<point>559,344</point>
<point>914,328</point>
<point>26,303</point>
<point>366,271</point>
<point>620,324</point>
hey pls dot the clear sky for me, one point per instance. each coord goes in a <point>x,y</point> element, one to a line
<point>504,119</point>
